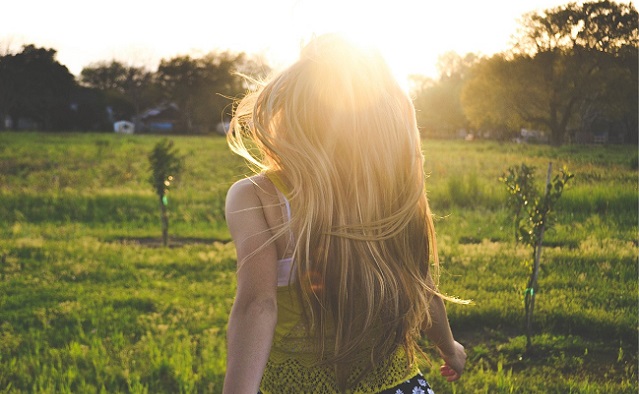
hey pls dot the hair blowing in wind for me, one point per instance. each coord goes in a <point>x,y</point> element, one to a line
<point>340,133</point>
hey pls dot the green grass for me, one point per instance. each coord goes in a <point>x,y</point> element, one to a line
<point>90,303</point>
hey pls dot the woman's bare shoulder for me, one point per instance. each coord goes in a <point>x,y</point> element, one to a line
<point>250,192</point>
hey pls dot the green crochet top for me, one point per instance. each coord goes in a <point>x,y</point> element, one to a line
<point>292,366</point>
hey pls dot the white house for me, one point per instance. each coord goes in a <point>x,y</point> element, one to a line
<point>124,127</point>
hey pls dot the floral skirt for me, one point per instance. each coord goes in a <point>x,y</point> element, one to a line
<point>415,385</point>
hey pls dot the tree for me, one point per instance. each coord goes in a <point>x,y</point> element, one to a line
<point>88,110</point>
<point>602,26</point>
<point>9,82</point>
<point>504,95</point>
<point>571,63</point>
<point>587,52</point>
<point>104,76</point>
<point>204,87</point>
<point>166,164</point>
<point>33,84</point>
<point>438,103</point>
<point>532,218</point>
<point>181,79</point>
<point>127,89</point>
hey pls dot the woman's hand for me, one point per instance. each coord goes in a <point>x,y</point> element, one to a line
<point>454,363</point>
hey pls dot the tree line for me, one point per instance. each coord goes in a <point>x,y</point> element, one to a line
<point>572,72</point>
<point>36,91</point>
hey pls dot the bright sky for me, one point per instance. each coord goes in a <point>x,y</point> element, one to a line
<point>411,33</point>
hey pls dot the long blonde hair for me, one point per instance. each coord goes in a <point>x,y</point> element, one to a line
<point>340,133</point>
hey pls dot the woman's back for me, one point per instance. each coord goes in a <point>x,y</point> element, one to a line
<point>292,365</point>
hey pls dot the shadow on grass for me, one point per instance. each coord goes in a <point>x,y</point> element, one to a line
<point>474,328</point>
<point>174,242</point>
<point>565,354</point>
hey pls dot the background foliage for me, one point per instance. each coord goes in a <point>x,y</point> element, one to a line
<point>37,89</point>
<point>570,74</point>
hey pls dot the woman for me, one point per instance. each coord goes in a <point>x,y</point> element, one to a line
<point>334,236</point>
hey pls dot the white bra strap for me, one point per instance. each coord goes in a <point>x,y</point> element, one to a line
<point>287,205</point>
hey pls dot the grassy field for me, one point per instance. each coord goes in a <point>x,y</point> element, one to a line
<point>89,302</point>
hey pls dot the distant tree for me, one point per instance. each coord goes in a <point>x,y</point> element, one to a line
<point>104,76</point>
<point>181,80</point>
<point>572,64</point>
<point>255,67</point>
<point>438,103</point>
<point>128,89</point>
<point>9,82</point>
<point>88,110</point>
<point>491,97</point>
<point>203,87</point>
<point>34,84</point>
<point>141,88</point>
<point>602,26</point>
<point>420,86</point>
<point>225,75</point>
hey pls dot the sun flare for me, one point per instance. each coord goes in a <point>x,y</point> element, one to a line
<point>392,30</point>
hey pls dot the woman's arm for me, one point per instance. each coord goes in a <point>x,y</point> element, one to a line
<point>254,313</point>
<point>439,333</point>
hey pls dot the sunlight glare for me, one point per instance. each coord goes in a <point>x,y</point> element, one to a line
<point>369,24</point>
